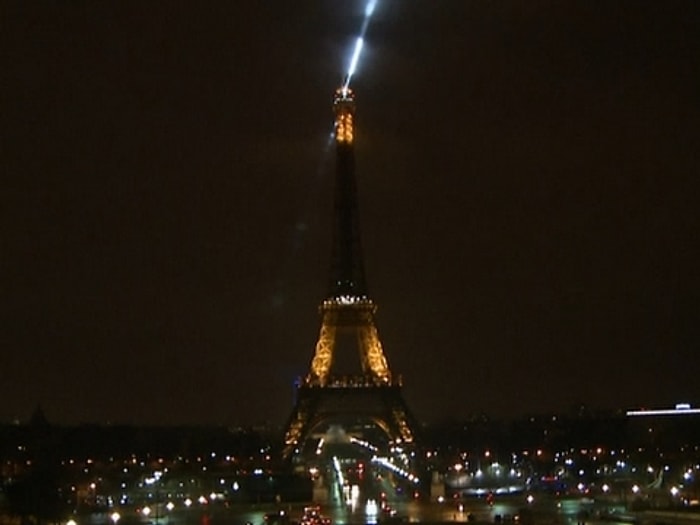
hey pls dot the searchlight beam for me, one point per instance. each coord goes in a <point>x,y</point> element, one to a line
<point>359,43</point>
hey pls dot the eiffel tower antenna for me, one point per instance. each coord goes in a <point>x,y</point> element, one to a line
<point>347,276</point>
<point>347,309</point>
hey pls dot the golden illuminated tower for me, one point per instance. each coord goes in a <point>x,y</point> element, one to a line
<point>372,395</point>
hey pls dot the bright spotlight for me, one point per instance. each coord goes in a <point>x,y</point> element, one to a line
<point>369,8</point>
<point>355,56</point>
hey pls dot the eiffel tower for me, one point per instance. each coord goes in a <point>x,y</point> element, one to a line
<point>372,395</point>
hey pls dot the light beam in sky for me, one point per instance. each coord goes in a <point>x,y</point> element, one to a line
<point>369,10</point>
<point>355,57</point>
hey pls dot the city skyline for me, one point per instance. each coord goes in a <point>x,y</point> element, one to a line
<point>527,192</point>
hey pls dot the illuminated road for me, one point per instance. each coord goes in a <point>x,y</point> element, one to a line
<point>549,511</point>
<point>391,499</point>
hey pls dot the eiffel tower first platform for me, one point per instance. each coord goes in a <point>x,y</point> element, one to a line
<point>371,396</point>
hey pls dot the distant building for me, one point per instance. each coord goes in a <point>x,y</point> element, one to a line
<point>669,429</point>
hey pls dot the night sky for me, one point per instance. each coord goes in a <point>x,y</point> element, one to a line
<point>529,199</point>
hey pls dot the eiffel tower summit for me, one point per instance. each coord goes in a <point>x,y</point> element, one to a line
<point>333,402</point>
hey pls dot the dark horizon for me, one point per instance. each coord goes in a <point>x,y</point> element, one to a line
<point>527,181</point>
<point>39,418</point>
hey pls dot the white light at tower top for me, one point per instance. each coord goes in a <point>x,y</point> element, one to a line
<point>356,55</point>
<point>353,61</point>
<point>359,43</point>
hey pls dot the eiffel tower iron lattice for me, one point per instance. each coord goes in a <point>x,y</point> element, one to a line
<point>372,395</point>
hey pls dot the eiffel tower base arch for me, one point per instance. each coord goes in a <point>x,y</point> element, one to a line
<point>353,406</point>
